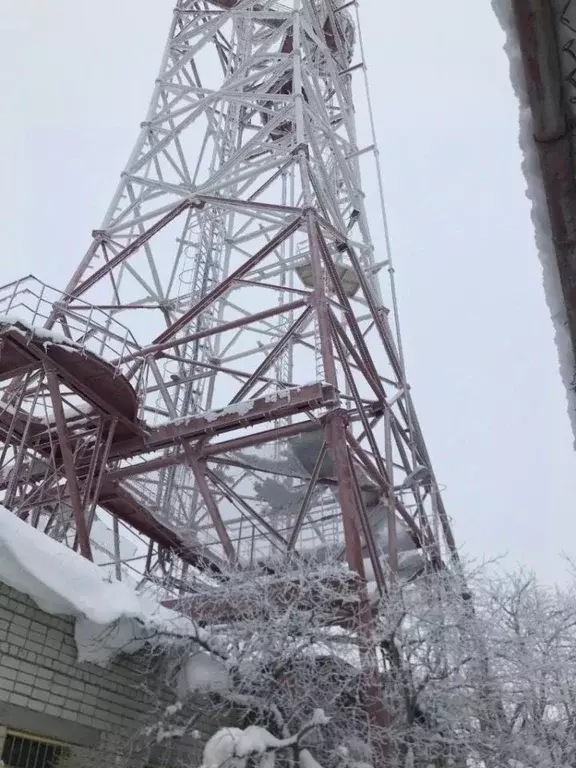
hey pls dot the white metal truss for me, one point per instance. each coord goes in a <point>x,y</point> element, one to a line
<point>235,263</point>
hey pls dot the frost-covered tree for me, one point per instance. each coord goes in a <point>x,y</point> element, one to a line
<point>278,663</point>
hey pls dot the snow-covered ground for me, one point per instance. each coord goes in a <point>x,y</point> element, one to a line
<point>536,194</point>
<point>111,617</point>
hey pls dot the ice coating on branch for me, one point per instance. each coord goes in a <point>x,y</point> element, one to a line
<point>233,746</point>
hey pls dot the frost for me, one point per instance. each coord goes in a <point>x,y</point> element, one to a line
<point>110,616</point>
<point>236,409</point>
<point>173,709</point>
<point>277,394</point>
<point>536,194</point>
<point>171,733</point>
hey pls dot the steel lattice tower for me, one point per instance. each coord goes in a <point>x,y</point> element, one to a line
<point>220,380</point>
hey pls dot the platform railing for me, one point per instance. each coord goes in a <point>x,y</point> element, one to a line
<point>71,321</point>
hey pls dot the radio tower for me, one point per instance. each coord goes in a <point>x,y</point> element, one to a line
<point>221,381</point>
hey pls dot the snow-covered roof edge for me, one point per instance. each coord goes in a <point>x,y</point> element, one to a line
<point>536,194</point>
<point>110,616</point>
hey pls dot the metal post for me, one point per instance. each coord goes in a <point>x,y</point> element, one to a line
<point>68,461</point>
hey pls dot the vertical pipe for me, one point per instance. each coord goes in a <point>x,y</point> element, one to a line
<point>391,505</point>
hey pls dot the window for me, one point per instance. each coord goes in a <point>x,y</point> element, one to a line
<point>24,751</point>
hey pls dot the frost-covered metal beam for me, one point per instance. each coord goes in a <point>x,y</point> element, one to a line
<point>238,416</point>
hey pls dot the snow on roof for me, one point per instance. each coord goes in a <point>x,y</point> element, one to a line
<point>110,616</point>
<point>536,194</point>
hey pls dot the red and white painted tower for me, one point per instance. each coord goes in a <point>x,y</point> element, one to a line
<point>221,381</point>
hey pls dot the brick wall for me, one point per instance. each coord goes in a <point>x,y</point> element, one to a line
<point>102,711</point>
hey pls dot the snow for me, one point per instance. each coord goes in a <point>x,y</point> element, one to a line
<point>273,397</point>
<point>306,760</point>
<point>110,616</point>
<point>535,193</point>
<point>202,672</point>
<point>221,747</point>
<point>49,336</point>
<point>236,409</point>
<point>242,408</point>
<point>319,718</point>
<point>171,733</point>
<point>233,746</point>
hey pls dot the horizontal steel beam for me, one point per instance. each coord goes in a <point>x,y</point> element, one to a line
<point>238,416</point>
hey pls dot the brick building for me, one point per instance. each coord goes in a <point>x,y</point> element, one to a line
<point>57,710</point>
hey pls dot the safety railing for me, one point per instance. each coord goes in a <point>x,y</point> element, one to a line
<point>48,314</point>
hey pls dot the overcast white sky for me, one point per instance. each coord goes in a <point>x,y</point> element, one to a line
<point>75,79</point>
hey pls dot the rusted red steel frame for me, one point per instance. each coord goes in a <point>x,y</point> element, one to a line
<point>12,426</point>
<point>358,359</point>
<point>307,498</point>
<point>272,356</point>
<point>368,534</point>
<point>47,479</point>
<point>156,349</point>
<point>67,465</point>
<point>241,504</point>
<point>102,490</point>
<point>391,506</point>
<point>97,469</point>
<point>336,420</point>
<point>267,411</point>
<point>68,461</point>
<point>227,283</point>
<point>418,436</point>
<point>356,395</point>
<point>364,620</point>
<point>245,441</point>
<point>234,444</point>
<point>366,461</point>
<point>199,470</point>
<point>321,393</point>
<point>137,243</point>
<point>359,339</point>
<point>161,342</point>
<point>301,399</point>
<point>34,350</point>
